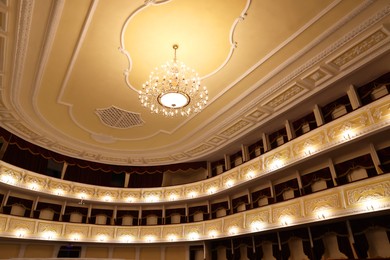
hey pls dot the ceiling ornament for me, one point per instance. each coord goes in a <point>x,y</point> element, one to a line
<point>173,89</point>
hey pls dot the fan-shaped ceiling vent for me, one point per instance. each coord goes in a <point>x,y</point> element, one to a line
<point>119,118</point>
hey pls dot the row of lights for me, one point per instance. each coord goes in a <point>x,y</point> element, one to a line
<point>275,164</point>
<point>370,204</point>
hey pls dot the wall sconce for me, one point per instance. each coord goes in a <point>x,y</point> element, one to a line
<point>102,238</point>
<point>172,237</point>
<point>75,236</point>
<point>130,199</point>
<point>21,232</point>
<point>285,220</point>
<point>58,192</point>
<point>152,198</point>
<point>229,183</point>
<point>213,234</point>
<point>211,190</point>
<point>309,150</point>
<point>107,198</point>
<point>250,175</point>
<point>8,178</point>
<point>276,163</point>
<point>82,195</point>
<point>192,194</point>
<point>371,204</point>
<point>233,231</point>
<point>173,197</point>
<point>127,238</point>
<point>257,225</point>
<point>150,238</point>
<point>34,186</point>
<point>49,234</point>
<point>348,134</point>
<point>322,214</point>
<point>193,235</point>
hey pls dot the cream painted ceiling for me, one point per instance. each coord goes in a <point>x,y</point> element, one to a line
<point>66,62</point>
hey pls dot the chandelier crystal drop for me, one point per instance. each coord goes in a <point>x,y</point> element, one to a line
<point>173,89</point>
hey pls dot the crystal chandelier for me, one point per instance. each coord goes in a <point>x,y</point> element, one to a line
<point>173,89</point>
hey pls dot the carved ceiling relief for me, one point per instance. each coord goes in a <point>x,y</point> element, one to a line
<point>285,96</point>
<point>363,46</point>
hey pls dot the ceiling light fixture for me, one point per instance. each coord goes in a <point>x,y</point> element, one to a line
<point>173,89</point>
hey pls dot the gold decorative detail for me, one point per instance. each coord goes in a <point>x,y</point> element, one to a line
<point>158,159</point>
<point>213,225</point>
<point>65,149</point>
<point>292,210</point>
<point>236,128</point>
<point>172,230</point>
<point>53,227</point>
<point>192,189</point>
<point>315,141</point>
<point>255,114</point>
<point>375,191</point>
<point>22,129</point>
<point>35,180</point>
<point>231,177</point>
<point>152,193</point>
<point>128,231</point>
<point>59,186</point>
<point>3,221</point>
<point>105,231</point>
<point>255,167</point>
<point>233,221</point>
<point>81,230</point>
<point>355,123</point>
<point>88,192</point>
<point>199,149</point>
<point>360,48</point>
<point>151,231</point>
<point>216,140</point>
<point>257,215</point>
<point>282,155</point>
<point>107,194</point>
<point>285,96</point>
<point>172,193</point>
<point>381,112</point>
<point>212,184</point>
<point>18,223</point>
<point>320,203</point>
<point>179,156</point>
<point>113,159</point>
<point>193,228</point>
<point>134,195</point>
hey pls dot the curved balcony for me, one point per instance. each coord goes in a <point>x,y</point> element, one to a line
<point>358,124</point>
<point>365,196</point>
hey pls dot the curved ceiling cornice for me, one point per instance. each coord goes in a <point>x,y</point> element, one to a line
<point>65,69</point>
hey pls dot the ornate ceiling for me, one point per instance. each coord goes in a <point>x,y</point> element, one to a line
<point>71,69</point>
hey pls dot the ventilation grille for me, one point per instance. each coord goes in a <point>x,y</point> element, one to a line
<point>119,118</point>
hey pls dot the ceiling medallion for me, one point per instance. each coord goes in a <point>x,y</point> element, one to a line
<point>173,89</point>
